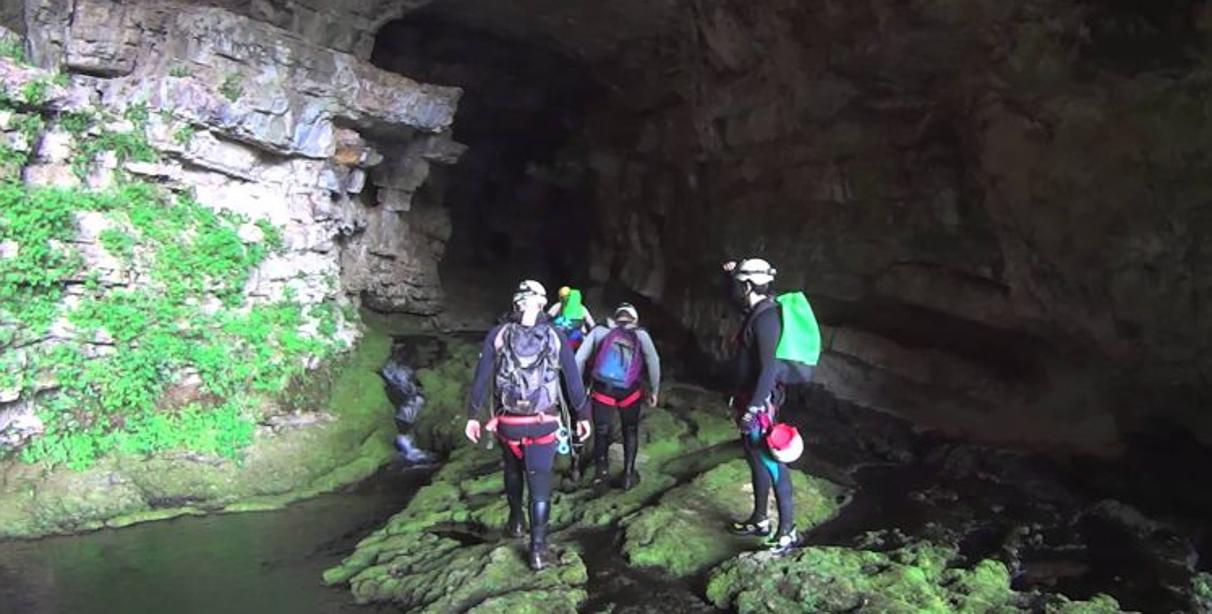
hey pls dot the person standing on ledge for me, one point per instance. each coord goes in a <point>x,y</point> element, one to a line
<point>525,359</point>
<point>778,345</point>
<point>622,354</point>
<point>571,316</point>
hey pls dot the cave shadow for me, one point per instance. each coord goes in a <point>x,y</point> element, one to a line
<point>517,197</point>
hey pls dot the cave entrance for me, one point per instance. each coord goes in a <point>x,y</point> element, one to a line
<point>518,199</point>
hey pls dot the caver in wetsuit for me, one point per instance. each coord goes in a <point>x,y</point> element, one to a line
<point>627,402</point>
<point>570,315</point>
<point>759,394</point>
<point>528,448</point>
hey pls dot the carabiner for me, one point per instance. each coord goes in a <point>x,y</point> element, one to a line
<point>562,437</point>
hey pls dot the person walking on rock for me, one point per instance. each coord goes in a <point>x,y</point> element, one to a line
<point>760,376</point>
<point>524,360</point>
<point>571,316</point>
<point>622,354</point>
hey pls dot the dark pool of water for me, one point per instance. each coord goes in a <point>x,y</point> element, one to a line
<point>631,590</point>
<point>254,562</point>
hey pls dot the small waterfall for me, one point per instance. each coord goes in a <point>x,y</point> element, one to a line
<point>405,394</point>
<point>410,453</point>
<point>403,390</point>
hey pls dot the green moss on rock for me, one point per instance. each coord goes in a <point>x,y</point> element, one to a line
<point>662,436</point>
<point>684,534</point>
<point>531,602</point>
<point>1201,592</point>
<point>403,561</point>
<point>430,573</point>
<point>468,492</point>
<point>278,469</point>
<point>439,427</point>
<point>587,509</point>
<point>1100,604</point>
<point>712,423</point>
<point>914,579</point>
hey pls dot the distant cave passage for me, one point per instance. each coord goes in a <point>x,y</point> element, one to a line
<point>519,201</point>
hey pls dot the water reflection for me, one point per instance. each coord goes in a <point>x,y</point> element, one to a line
<point>254,562</point>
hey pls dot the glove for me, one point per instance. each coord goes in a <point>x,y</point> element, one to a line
<point>749,419</point>
<point>583,430</point>
<point>472,430</point>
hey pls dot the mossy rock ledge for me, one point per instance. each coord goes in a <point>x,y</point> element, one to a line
<point>290,464</point>
<point>916,578</point>
<point>444,552</point>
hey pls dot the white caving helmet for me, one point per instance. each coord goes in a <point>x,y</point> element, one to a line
<point>626,312</point>
<point>755,271</point>
<point>530,292</point>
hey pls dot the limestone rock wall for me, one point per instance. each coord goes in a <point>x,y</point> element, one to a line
<point>998,205</point>
<point>277,126</point>
<point>104,36</point>
<point>287,125</point>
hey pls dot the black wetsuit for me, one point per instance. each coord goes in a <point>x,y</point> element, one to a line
<point>537,459</point>
<point>758,382</point>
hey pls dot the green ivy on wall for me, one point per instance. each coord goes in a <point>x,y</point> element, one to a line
<point>119,383</point>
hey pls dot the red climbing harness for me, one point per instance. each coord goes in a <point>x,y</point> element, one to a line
<point>625,402</point>
<point>520,420</point>
<point>516,445</point>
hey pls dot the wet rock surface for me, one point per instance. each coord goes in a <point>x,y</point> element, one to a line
<point>1054,524</point>
<point>455,522</point>
<point>683,534</point>
<point>911,579</point>
<point>894,521</point>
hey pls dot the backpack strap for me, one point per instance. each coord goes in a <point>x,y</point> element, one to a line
<point>554,344</point>
<point>635,369</point>
<point>608,339</point>
<point>744,335</point>
<point>603,346</point>
<point>502,335</point>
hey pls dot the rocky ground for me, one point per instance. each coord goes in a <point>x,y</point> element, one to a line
<point>895,523</point>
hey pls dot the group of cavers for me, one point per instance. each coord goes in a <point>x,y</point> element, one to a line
<point>548,373</point>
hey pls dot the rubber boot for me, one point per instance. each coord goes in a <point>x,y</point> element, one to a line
<point>601,454</point>
<point>516,527</point>
<point>538,534</point>
<point>631,441</point>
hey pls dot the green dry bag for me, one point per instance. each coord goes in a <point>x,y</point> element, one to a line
<point>573,308</point>
<point>800,341</point>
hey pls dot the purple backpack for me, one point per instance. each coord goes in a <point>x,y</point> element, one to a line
<point>619,360</point>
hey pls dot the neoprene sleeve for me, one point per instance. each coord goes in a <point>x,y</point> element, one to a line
<point>766,330</point>
<point>484,368</point>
